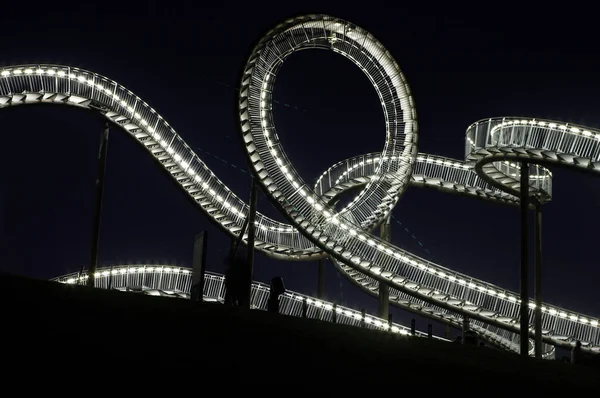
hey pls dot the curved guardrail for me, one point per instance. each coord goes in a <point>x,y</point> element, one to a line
<point>438,172</point>
<point>173,281</point>
<point>317,229</point>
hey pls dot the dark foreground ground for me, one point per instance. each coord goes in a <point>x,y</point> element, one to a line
<point>63,333</point>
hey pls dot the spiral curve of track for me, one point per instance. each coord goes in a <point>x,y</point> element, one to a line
<point>490,171</point>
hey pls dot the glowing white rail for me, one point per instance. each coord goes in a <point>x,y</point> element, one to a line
<point>173,281</point>
<point>316,228</point>
<point>442,173</point>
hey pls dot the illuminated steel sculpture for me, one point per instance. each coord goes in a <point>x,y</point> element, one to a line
<point>316,229</point>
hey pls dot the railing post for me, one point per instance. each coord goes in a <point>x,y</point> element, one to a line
<point>413,326</point>
<point>430,331</point>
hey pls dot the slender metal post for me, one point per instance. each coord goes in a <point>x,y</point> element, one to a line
<point>231,294</point>
<point>110,278</point>
<point>236,242</point>
<point>305,308</point>
<point>334,313</point>
<point>98,206</point>
<point>384,289</point>
<point>199,266</point>
<point>538,281</point>
<point>384,300</point>
<point>321,280</point>
<point>388,229</point>
<point>250,253</point>
<point>524,313</point>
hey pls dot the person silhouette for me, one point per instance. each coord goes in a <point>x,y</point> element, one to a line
<point>232,283</point>
<point>576,353</point>
<point>277,289</point>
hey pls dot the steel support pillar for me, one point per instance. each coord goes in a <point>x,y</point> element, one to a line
<point>249,266</point>
<point>321,280</point>
<point>236,242</point>
<point>384,289</point>
<point>384,300</point>
<point>524,309</point>
<point>110,275</point>
<point>199,266</point>
<point>538,281</point>
<point>98,206</point>
<point>233,243</point>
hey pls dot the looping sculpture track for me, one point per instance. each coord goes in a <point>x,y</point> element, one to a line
<point>316,228</point>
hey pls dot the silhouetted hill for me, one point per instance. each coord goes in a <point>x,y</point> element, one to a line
<point>144,339</point>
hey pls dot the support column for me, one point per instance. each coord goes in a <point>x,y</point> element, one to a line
<point>110,275</point>
<point>249,266</point>
<point>538,281</point>
<point>233,243</point>
<point>236,242</point>
<point>321,280</point>
<point>384,289</point>
<point>234,274</point>
<point>524,310</point>
<point>199,266</point>
<point>384,300</point>
<point>98,206</point>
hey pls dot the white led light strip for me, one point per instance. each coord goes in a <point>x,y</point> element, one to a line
<point>317,229</point>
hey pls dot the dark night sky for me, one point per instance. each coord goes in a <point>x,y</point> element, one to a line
<point>461,66</point>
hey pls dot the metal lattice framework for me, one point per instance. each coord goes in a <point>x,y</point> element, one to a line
<point>316,228</point>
